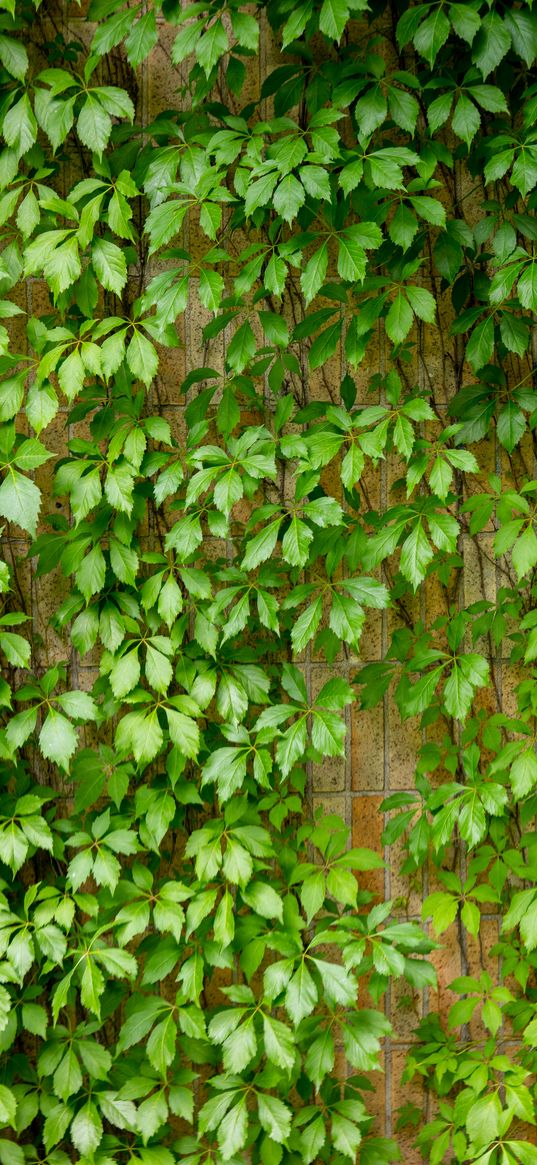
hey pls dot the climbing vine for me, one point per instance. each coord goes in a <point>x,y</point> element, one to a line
<point>267,381</point>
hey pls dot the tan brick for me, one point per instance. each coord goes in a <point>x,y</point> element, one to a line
<point>367,748</point>
<point>367,826</point>
<point>404,742</point>
<point>402,1094</point>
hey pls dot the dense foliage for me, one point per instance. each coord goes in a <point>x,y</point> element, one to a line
<point>193,967</point>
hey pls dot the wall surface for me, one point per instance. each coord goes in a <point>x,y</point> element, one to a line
<point>382,748</point>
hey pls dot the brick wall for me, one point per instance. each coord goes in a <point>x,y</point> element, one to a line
<point>381,750</point>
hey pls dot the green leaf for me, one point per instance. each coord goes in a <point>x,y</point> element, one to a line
<point>443,909</point>
<point>333,17</point>
<point>20,727</point>
<point>242,348</point>
<point>110,265</point>
<point>325,345</point>
<point>422,303</point>
<point>142,37</point>
<point>290,195</point>
<point>511,426</point>
<point>523,774</point>
<point>466,119</point>
<point>41,406</point>
<point>465,21</point>
<point>184,732</point>
<point>351,262</point>
<point>240,1047</point>
<point>480,347</point>
<point>399,319</point>
<point>315,181</point>
<point>211,46</point>
<point>89,775</point>
<point>8,1106</point>
<point>68,1076</point>
<point>328,733</point>
<point>20,126</point>
<point>233,1129</point>
<point>524,553</point>
<point>259,193</point>
<point>13,56</point>
<point>346,1136</point>
<point>468,673</point>
<point>404,109</point>
<point>524,172</point>
<point>152,1114</point>
<point>522,27</point>
<point>306,625</point>
<point>403,227</point>
<point>440,478</point>
<point>161,1045</point>
<point>371,111</point>
<point>483,1122</point>
<point>301,995</point>
<point>296,541</point>
<point>527,287</point>
<point>86,1129</point>
<point>416,554</point>
<point>211,287</point>
<point>94,125</point>
<point>142,358</point>
<point>34,1019</point>
<point>312,1139</point>
<point>515,334</point>
<point>274,1117</point>
<point>20,500</point>
<point>90,575</point>
<point>492,42</point>
<point>264,900</point>
<point>279,1043</point>
<point>296,23</point>
<point>245,29</point>
<point>432,35</point>
<point>320,1058</point>
<point>528,927</point>
<point>79,705</point>
<point>186,40</point>
<point>472,823</point>
<point>224,921</point>
<point>314,273</point>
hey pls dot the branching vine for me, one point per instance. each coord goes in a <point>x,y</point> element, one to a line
<point>277,344</point>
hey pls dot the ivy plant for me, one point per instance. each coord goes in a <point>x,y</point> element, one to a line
<point>267,376</point>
